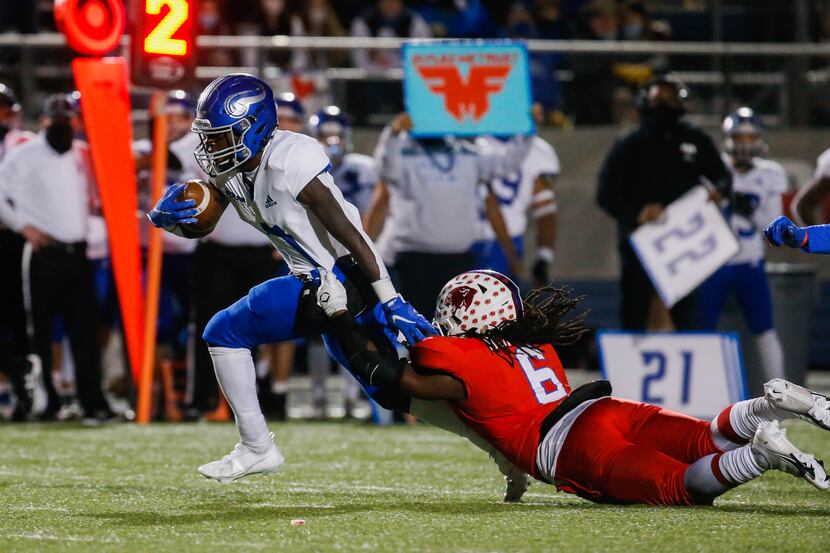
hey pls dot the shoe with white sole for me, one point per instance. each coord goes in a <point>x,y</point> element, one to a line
<point>806,404</point>
<point>243,462</point>
<point>771,442</point>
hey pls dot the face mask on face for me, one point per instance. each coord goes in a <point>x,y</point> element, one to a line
<point>664,117</point>
<point>59,136</point>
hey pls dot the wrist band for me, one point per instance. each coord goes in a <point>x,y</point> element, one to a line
<point>384,289</point>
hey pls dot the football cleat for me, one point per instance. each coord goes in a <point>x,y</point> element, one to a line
<point>805,404</point>
<point>771,442</point>
<point>243,462</point>
<point>515,486</point>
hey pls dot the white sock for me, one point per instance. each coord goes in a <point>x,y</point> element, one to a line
<point>279,387</point>
<point>237,377</point>
<point>737,424</point>
<point>318,367</point>
<point>741,465</point>
<point>771,354</point>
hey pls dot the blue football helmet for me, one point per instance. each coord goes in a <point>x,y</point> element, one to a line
<point>179,101</point>
<point>331,128</point>
<point>240,109</point>
<point>289,107</point>
<point>743,136</point>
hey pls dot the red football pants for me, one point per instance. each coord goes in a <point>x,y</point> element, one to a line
<point>621,451</point>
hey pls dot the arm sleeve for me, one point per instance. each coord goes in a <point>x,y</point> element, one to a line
<point>819,239</point>
<point>308,159</point>
<point>439,354</point>
<point>611,189</point>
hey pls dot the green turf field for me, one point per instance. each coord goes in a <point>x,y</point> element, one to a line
<point>358,487</point>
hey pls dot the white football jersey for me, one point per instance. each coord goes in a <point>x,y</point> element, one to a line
<point>515,191</point>
<point>267,200</point>
<point>766,181</point>
<point>356,176</point>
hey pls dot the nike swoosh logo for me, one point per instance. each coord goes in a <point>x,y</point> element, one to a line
<point>396,318</point>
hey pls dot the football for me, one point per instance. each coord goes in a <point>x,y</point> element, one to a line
<point>209,206</point>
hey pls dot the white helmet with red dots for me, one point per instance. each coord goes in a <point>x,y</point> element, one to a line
<point>477,301</point>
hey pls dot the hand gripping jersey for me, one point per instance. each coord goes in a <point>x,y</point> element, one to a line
<point>267,200</point>
<point>506,403</point>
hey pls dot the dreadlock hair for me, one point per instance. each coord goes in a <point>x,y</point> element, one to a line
<point>542,323</point>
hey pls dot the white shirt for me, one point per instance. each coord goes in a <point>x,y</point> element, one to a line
<point>14,137</point>
<point>434,192</point>
<point>515,191</point>
<point>290,161</point>
<point>766,181</point>
<point>356,176</point>
<point>48,190</point>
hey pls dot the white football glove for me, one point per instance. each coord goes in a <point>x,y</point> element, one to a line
<point>331,295</point>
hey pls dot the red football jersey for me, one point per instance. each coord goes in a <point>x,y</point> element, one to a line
<point>506,403</point>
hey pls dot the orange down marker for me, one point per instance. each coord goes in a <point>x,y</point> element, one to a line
<point>104,90</point>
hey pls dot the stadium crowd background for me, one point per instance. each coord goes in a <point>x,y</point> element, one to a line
<point>581,101</point>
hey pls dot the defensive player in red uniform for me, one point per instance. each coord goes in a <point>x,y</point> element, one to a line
<point>497,366</point>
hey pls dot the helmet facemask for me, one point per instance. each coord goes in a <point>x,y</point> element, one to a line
<point>227,158</point>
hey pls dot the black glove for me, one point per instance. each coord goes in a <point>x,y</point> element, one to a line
<point>744,204</point>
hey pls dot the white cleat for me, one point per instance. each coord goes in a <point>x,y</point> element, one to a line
<point>771,442</point>
<point>243,462</point>
<point>806,404</point>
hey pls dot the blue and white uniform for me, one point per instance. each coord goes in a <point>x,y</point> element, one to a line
<point>515,196</point>
<point>745,274</point>
<point>356,176</point>
<point>267,200</point>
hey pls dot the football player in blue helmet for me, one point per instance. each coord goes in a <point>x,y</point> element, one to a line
<point>757,186</point>
<point>235,118</point>
<point>290,112</point>
<point>743,138</point>
<point>331,128</point>
<point>280,182</point>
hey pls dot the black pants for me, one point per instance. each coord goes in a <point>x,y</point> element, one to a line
<point>222,275</point>
<point>58,281</point>
<point>13,341</point>
<point>637,292</point>
<point>422,276</point>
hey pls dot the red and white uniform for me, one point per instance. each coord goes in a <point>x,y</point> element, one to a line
<point>605,450</point>
<point>506,403</point>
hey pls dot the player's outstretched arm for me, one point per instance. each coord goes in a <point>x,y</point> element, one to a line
<point>320,200</point>
<point>375,368</point>
<point>815,239</point>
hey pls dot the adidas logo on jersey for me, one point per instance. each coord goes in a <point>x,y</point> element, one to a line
<point>269,202</point>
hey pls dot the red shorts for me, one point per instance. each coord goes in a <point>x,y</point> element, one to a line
<point>621,451</point>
